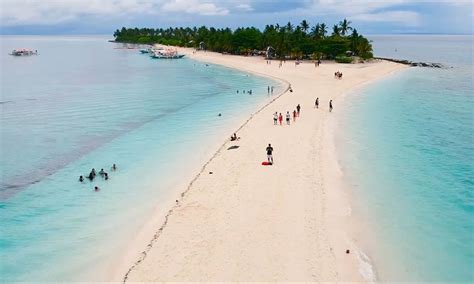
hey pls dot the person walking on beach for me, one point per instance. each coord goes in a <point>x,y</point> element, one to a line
<point>268,90</point>
<point>270,154</point>
<point>280,118</point>
<point>330,106</point>
<point>288,116</point>
<point>272,90</point>
<point>316,103</point>
<point>294,115</point>
<point>275,118</point>
<point>298,109</point>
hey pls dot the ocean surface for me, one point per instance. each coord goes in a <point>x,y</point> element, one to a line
<point>86,103</point>
<point>408,155</point>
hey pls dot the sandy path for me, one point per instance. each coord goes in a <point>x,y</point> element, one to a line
<point>286,222</point>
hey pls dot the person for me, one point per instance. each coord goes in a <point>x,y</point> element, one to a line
<point>294,115</point>
<point>291,90</point>
<point>316,103</point>
<point>280,118</point>
<point>288,116</point>
<point>220,114</point>
<point>106,176</point>
<point>330,106</point>
<point>270,154</point>
<point>250,92</point>
<point>91,177</point>
<point>96,188</point>
<point>237,91</point>
<point>114,167</point>
<point>93,172</point>
<point>272,90</point>
<point>234,137</point>
<point>102,172</point>
<point>268,90</point>
<point>275,118</point>
<point>298,109</point>
<point>81,179</point>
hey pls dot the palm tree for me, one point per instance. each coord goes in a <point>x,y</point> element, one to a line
<point>323,30</point>
<point>315,31</point>
<point>335,30</point>
<point>289,27</point>
<point>344,26</point>
<point>304,26</point>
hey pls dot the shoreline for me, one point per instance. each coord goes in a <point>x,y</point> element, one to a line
<point>329,218</point>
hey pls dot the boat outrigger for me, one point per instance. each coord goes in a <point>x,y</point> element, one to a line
<point>23,52</point>
<point>166,54</point>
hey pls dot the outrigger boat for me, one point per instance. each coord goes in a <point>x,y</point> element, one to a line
<point>23,52</point>
<point>166,54</point>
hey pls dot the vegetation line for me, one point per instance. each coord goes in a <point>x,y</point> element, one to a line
<point>282,42</point>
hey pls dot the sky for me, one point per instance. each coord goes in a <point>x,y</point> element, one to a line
<point>105,16</point>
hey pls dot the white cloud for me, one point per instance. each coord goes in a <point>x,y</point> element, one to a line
<point>194,7</point>
<point>244,7</point>
<point>407,18</point>
<point>24,12</point>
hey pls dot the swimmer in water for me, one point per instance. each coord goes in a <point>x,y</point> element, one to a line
<point>96,188</point>
<point>81,179</point>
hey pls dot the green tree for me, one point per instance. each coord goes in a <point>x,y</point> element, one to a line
<point>344,26</point>
<point>304,26</point>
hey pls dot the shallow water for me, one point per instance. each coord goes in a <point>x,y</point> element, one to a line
<point>86,103</point>
<point>409,157</point>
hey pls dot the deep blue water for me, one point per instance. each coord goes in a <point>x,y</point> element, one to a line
<point>409,156</point>
<point>86,103</point>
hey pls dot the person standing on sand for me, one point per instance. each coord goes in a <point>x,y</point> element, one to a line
<point>330,106</point>
<point>288,116</point>
<point>294,115</point>
<point>298,109</point>
<point>280,118</point>
<point>270,154</point>
<point>316,103</point>
<point>268,90</point>
<point>275,118</point>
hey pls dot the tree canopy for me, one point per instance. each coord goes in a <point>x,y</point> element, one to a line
<point>288,41</point>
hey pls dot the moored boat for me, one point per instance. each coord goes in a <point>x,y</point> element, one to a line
<point>23,52</point>
<point>166,54</point>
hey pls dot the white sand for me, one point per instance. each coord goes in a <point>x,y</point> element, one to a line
<point>248,222</point>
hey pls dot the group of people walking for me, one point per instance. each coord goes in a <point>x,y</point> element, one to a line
<point>92,175</point>
<point>338,75</point>
<point>278,118</point>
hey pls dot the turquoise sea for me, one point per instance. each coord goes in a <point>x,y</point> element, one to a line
<point>408,155</point>
<point>85,103</point>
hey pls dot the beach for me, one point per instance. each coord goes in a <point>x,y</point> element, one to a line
<point>241,221</point>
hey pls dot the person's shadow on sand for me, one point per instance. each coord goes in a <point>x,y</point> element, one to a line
<point>233,147</point>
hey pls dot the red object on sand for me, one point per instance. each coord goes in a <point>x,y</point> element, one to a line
<point>266,164</point>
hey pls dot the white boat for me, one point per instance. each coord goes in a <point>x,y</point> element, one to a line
<point>166,54</point>
<point>23,52</point>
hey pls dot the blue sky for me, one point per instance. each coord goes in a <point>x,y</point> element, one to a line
<point>104,16</point>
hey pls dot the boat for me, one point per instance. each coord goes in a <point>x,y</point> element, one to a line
<point>166,54</point>
<point>23,52</point>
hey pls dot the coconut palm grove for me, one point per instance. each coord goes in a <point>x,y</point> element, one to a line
<point>289,41</point>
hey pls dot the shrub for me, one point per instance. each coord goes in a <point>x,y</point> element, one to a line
<point>343,59</point>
